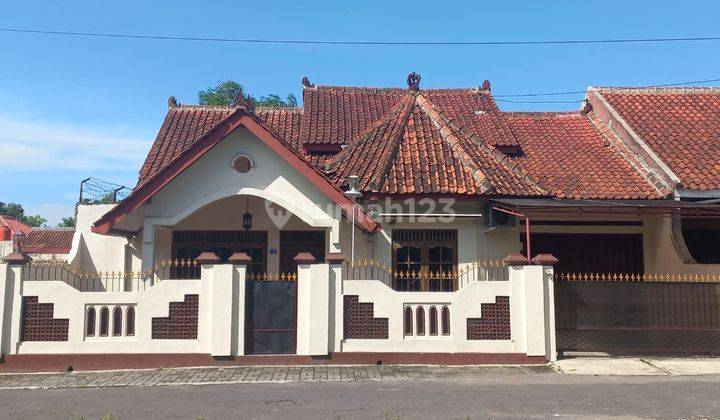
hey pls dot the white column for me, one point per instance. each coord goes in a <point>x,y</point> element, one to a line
<point>313,293</point>
<point>336,315</point>
<point>238,310</point>
<point>10,307</point>
<point>549,293</point>
<point>535,310</point>
<point>518,308</point>
<point>205,307</point>
<point>222,310</point>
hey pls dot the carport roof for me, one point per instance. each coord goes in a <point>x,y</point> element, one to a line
<point>550,205</point>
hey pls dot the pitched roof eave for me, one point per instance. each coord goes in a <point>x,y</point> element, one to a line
<point>239,117</point>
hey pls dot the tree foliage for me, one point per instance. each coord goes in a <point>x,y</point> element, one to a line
<point>108,198</point>
<point>224,94</point>
<point>67,222</point>
<point>17,211</point>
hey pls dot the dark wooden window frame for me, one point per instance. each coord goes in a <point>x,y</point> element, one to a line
<point>425,239</point>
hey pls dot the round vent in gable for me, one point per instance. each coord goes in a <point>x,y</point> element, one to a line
<point>242,163</point>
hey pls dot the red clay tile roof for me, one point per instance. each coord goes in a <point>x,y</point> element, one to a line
<point>449,141</point>
<point>568,152</point>
<point>49,241</point>
<point>14,224</point>
<point>182,127</point>
<point>418,149</point>
<point>283,122</point>
<point>186,124</point>
<point>338,115</point>
<point>681,125</point>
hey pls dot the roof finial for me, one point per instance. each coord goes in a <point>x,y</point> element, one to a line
<point>250,105</point>
<point>413,81</point>
<point>239,98</point>
<point>306,83</point>
<point>172,102</point>
<point>485,85</point>
<point>586,106</point>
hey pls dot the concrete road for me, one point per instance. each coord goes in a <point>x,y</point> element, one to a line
<point>497,394</point>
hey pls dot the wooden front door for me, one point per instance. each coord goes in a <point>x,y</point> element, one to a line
<point>292,242</point>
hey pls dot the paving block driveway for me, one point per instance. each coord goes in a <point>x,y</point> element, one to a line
<point>254,374</point>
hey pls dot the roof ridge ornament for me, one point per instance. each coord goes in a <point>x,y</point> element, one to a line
<point>306,84</point>
<point>486,85</point>
<point>239,98</point>
<point>172,102</point>
<point>586,106</point>
<point>413,81</point>
<point>246,102</point>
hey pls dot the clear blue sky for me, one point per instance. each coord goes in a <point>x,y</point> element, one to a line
<point>77,107</point>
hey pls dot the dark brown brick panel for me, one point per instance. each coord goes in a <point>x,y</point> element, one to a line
<point>494,321</point>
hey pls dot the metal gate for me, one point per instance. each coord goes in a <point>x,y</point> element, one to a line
<point>620,313</point>
<point>270,316</point>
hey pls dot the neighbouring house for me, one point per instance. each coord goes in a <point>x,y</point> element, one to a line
<point>9,227</point>
<point>40,243</point>
<point>398,225</point>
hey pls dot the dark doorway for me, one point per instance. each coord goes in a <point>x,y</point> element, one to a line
<point>293,242</point>
<point>591,252</point>
<point>270,317</point>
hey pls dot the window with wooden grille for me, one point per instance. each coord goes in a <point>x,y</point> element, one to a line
<point>425,260</point>
<point>188,244</point>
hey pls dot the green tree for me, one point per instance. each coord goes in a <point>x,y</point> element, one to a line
<point>17,211</point>
<point>67,222</point>
<point>224,94</point>
<point>35,220</point>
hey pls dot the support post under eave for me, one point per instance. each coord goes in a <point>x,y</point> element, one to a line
<point>527,239</point>
<point>527,228</point>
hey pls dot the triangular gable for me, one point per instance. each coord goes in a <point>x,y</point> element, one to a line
<point>239,117</point>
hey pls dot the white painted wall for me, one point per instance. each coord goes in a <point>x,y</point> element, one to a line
<point>92,252</point>
<point>530,293</point>
<point>71,303</point>
<point>6,248</point>
<point>212,178</point>
<point>313,310</point>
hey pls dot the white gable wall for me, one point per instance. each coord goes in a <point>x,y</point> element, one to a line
<point>213,178</point>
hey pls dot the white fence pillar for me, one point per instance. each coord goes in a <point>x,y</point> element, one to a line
<point>313,306</point>
<point>11,302</point>
<point>240,262</point>
<point>336,316</point>
<point>535,306</point>
<point>223,303</point>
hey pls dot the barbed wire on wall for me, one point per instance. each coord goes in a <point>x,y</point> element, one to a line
<point>98,191</point>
